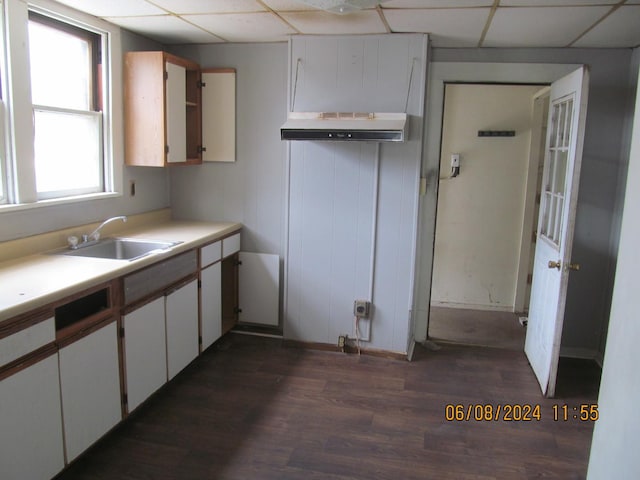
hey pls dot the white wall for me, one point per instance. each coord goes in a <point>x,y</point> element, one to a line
<point>614,449</point>
<point>253,189</point>
<point>352,220</point>
<point>151,190</point>
<point>480,216</point>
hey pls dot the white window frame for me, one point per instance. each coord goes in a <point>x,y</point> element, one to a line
<point>19,167</point>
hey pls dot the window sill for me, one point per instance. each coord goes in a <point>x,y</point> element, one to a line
<point>9,207</point>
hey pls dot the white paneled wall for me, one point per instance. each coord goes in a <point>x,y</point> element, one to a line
<point>353,206</point>
<point>330,233</point>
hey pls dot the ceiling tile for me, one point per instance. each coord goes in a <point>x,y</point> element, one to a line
<point>244,27</point>
<point>165,29</point>
<point>620,29</point>
<point>287,5</point>
<point>540,27</point>
<point>210,6</point>
<point>319,22</point>
<point>436,3</point>
<point>114,8</point>
<point>447,27</point>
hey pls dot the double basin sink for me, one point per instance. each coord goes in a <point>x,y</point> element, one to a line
<point>119,249</point>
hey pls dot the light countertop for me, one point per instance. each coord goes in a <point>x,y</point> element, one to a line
<point>33,281</point>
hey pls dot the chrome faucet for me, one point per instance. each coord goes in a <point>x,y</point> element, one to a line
<point>94,236</point>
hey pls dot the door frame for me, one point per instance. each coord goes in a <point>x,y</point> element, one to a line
<point>439,74</point>
<point>532,189</point>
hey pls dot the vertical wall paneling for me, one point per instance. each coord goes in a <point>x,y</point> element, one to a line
<point>353,206</point>
<point>251,190</point>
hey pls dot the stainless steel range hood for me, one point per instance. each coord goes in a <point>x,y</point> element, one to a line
<point>341,126</point>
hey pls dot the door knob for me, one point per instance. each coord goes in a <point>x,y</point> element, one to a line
<point>553,264</point>
<point>574,266</point>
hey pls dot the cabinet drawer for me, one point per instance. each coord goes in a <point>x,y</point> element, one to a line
<point>210,254</point>
<point>230,245</point>
<point>26,341</point>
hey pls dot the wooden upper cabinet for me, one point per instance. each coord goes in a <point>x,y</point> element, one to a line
<point>163,110</point>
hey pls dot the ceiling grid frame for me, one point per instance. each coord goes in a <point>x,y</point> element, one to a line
<point>450,24</point>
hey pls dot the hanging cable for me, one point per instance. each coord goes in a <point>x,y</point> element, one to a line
<point>406,103</point>
<point>295,85</point>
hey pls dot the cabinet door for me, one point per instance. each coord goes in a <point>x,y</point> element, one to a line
<point>30,423</point>
<point>211,304</point>
<point>145,346</point>
<point>219,115</point>
<point>181,307</point>
<point>90,384</point>
<point>176,117</point>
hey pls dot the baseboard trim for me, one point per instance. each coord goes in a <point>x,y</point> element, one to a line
<point>583,353</point>
<point>470,306</point>
<point>349,349</point>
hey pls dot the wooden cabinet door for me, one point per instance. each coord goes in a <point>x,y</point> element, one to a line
<point>211,304</point>
<point>30,423</point>
<point>90,385</point>
<point>181,308</point>
<point>145,347</point>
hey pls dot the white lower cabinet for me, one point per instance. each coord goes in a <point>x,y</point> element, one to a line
<point>181,311</point>
<point>30,423</point>
<point>145,349</point>
<point>211,304</point>
<point>90,386</point>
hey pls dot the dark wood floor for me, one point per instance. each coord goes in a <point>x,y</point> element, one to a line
<point>251,409</point>
<point>476,327</point>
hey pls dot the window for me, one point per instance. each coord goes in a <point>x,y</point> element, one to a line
<point>65,64</point>
<point>59,105</point>
<point>553,194</point>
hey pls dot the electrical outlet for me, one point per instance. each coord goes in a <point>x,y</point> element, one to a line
<point>361,308</point>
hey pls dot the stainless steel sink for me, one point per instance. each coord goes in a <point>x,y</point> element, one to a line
<point>120,249</point>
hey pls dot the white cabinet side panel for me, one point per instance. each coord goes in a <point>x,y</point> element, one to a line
<point>31,423</point>
<point>145,352</point>
<point>182,327</point>
<point>90,381</point>
<point>211,304</point>
<point>259,288</point>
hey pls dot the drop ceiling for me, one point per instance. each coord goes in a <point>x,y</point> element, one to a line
<point>450,23</point>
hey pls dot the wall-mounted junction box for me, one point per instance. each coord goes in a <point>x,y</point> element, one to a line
<point>361,308</point>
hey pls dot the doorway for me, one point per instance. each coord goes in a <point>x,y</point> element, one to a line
<point>491,161</point>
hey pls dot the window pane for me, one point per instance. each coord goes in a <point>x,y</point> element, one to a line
<point>67,151</point>
<point>59,79</point>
